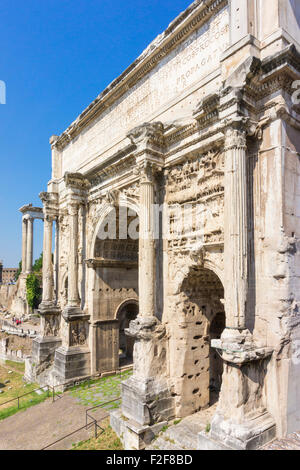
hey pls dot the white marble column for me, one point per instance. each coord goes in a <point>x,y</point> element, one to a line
<point>235,244</point>
<point>73,294</point>
<point>56,259</point>
<point>24,244</point>
<point>47,261</point>
<point>29,248</point>
<point>147,244</point>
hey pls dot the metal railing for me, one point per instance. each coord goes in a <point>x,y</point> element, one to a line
<point>70,384</point>
<point>91,381</point>
<point>47,387</point>
<point>94,423</point>
<point>76,382</point>
<point>87,415</point>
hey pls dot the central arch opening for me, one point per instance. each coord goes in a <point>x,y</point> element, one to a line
<point>115,293</point>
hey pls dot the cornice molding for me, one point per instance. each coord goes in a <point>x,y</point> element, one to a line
<point>76,181</point>
<point>31,208</point>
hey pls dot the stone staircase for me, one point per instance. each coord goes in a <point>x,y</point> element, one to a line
<point>183,434</point>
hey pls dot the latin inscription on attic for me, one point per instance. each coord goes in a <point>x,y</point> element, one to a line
<point>190,61</point>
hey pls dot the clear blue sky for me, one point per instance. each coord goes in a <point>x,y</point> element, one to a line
<point>56,57</point>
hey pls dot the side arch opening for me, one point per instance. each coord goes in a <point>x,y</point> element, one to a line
<point>203,319</point>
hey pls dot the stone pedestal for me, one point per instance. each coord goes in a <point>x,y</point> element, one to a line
<point>249,435</point>
<point>146,397</point>
<point>71,363</point>
<point>133,435</point>
<point>40,364</point>
<point>72,359</point>
<point>242,421</point>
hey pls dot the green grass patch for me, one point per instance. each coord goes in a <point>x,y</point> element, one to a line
<point>20,366</point>
<point>100,391</point>
<point>25,402</point>
<point>12,386</point>
<point>107,440</point>
<point>164,428</point>
<point>177,421</point>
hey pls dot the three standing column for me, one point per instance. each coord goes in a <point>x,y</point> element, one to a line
<point>24,243</point>
<point>29,247</point>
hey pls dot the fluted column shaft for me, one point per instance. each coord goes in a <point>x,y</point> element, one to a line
<point>47,260</point>
<point>24,244</point>
<point>236,233</point>
<point>147,245</point>
<point>73,294</point>
<point>29,248</point>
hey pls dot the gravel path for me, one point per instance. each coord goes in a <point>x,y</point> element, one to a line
<point>43,424</point>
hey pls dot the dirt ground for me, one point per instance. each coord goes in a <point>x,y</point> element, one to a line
<point>45,423</point>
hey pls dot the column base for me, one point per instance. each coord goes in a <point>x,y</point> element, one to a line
<point>133,435</point>
<point>73,313</point>
<point>249,435</point>
<point>49,308</point>
<point>241,421</point>
<point>147,401</point>
<point>71,363</point>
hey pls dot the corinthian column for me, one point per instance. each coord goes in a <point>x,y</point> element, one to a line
<point>73,294</point>
<point>236,233</point>
<point>47,261</point>
<point>24,243</point>
<point>29,248</point>
<point>147,243</point>
<point>240,422</point>
<point>146,395</point>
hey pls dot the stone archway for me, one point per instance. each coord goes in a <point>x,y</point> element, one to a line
<point>115,282</point>
<point>202,318</point>
<point>126,312</point>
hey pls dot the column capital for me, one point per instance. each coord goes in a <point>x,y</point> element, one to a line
<point>50,203</point>
<point>50,217</point>
<point>149,141</point>
<point>73,208</point>
<point>147,133</point>
<point>27,217</point>
<point>235,131</point>
<point>146,170</point>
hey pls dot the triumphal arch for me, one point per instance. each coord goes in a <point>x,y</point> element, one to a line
<point>175,198</point>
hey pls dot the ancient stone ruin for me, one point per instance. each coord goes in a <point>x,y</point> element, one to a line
<point>175,198</point>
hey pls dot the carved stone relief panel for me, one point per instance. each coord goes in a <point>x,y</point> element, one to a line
<point>78,333</point>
